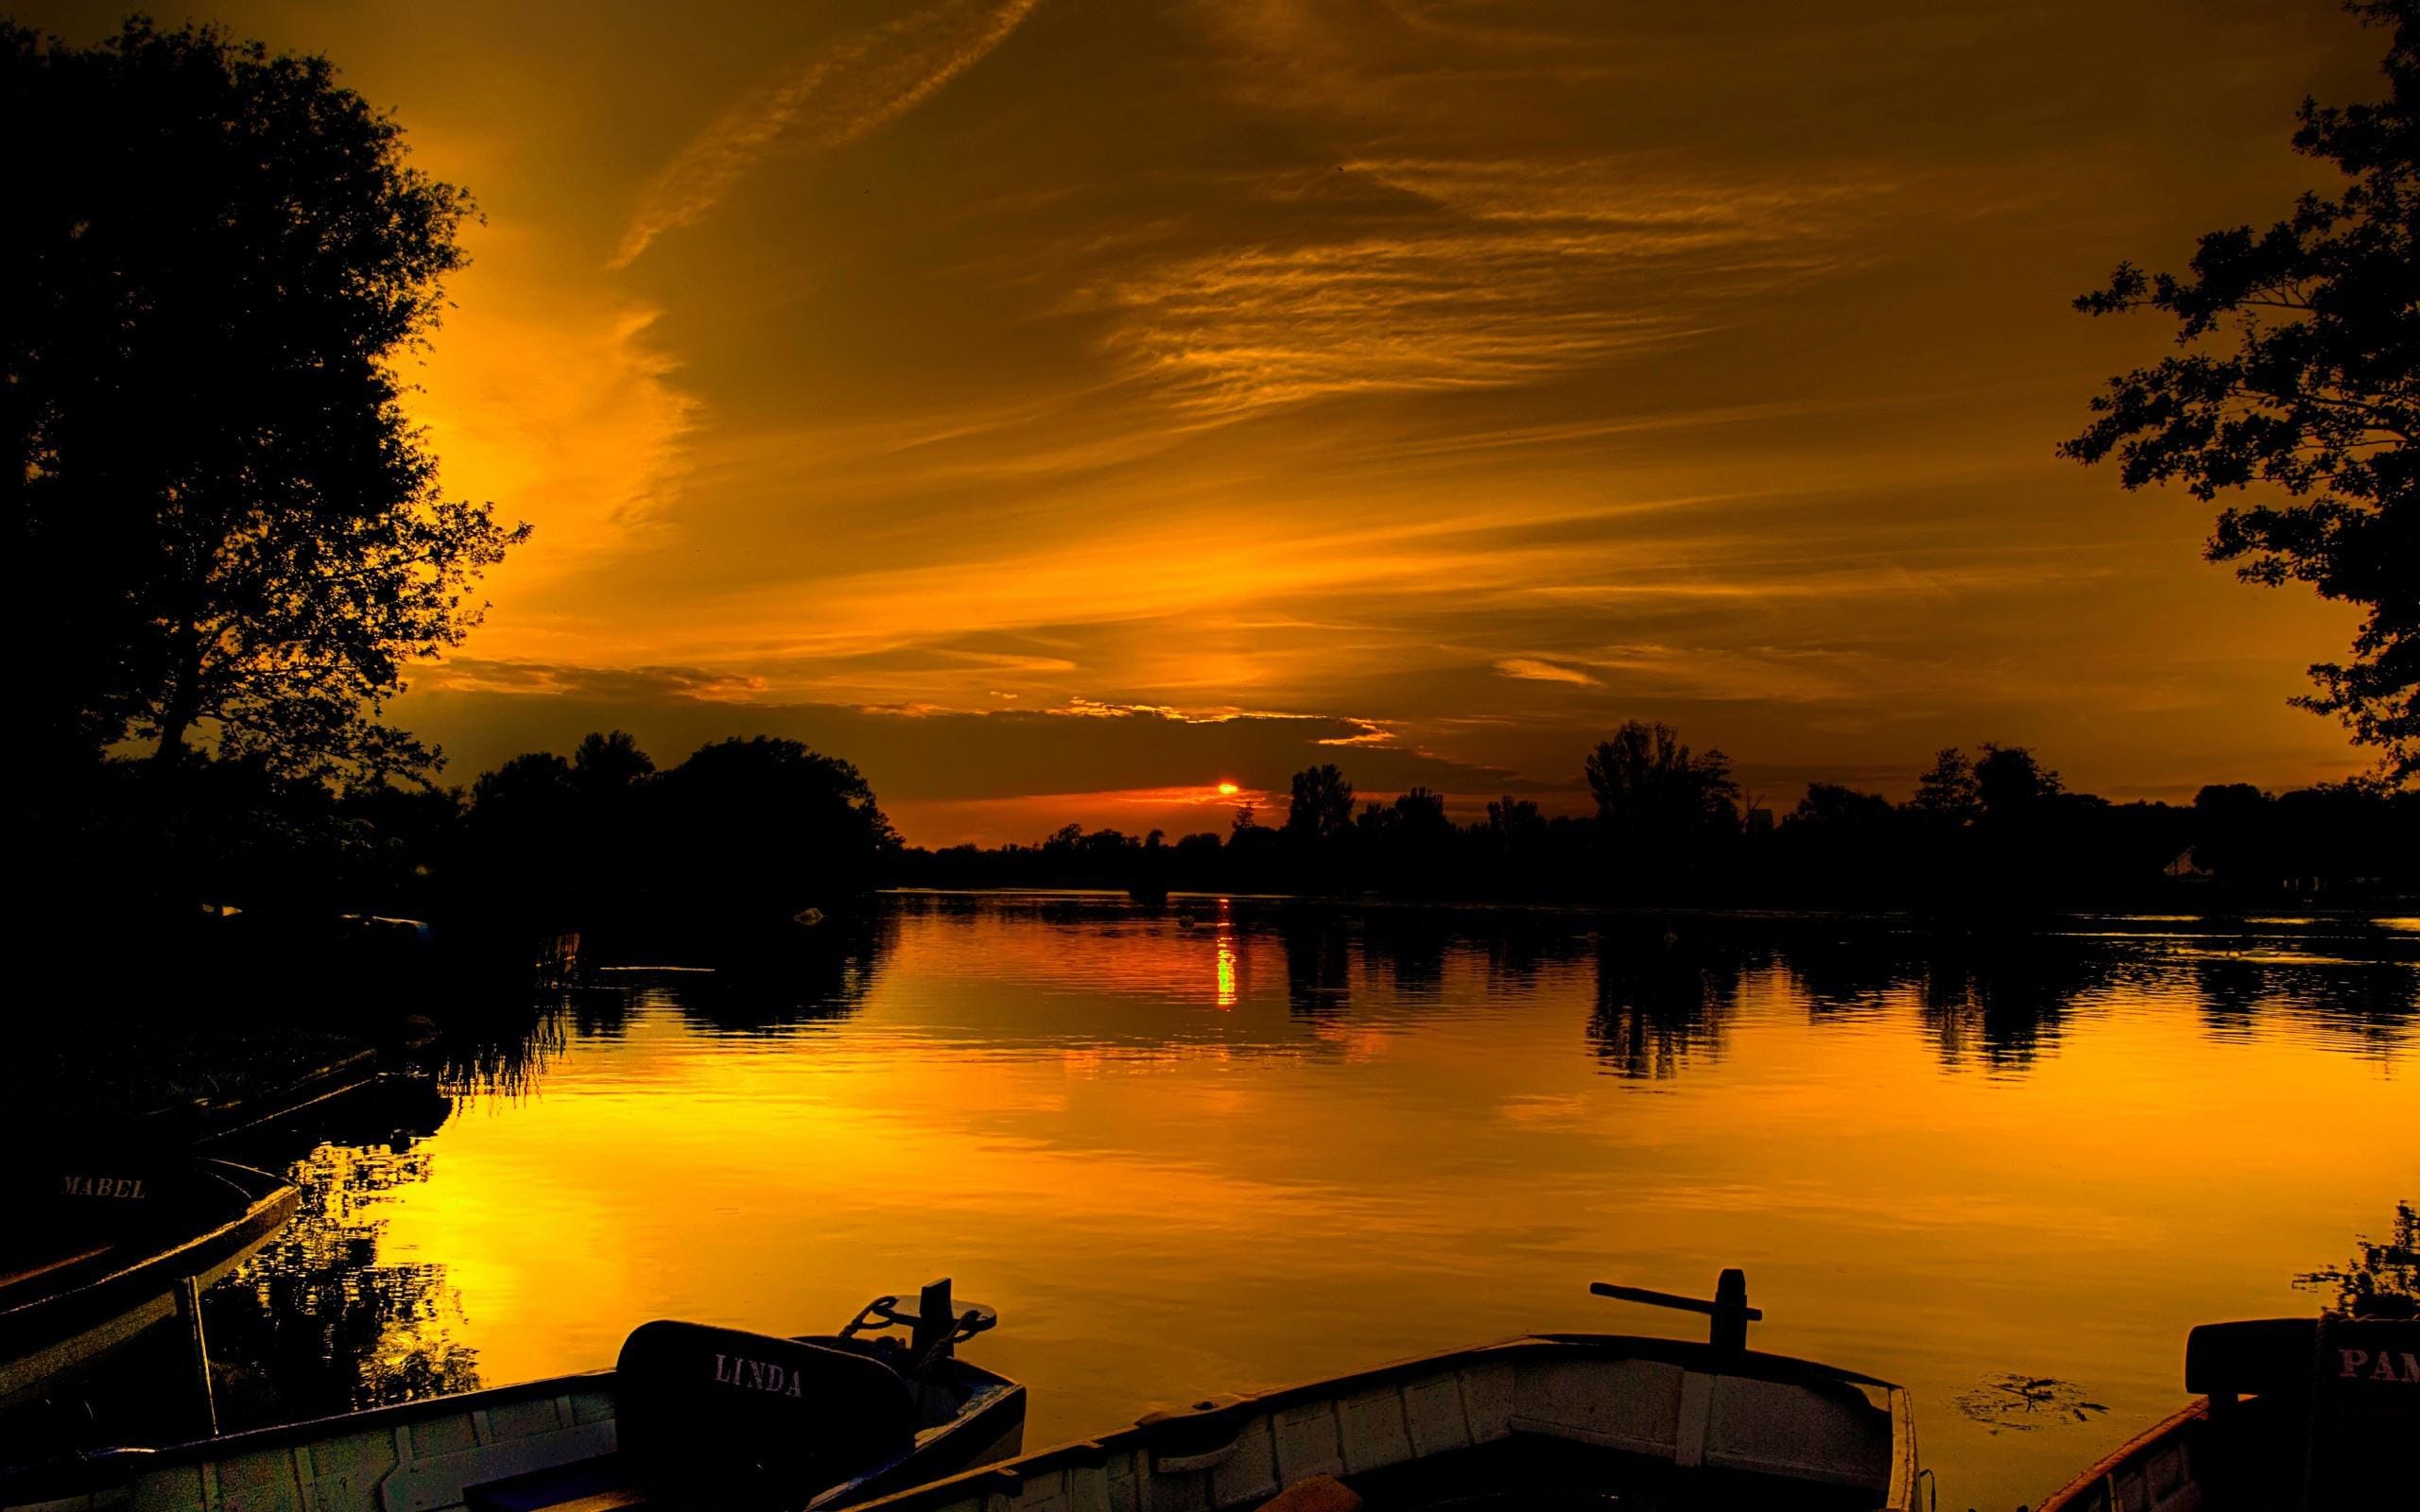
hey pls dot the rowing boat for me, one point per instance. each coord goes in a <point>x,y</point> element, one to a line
<point>107,1246</point>
<point>2296,1412</point>
<point>1541,1423</point>
<point>689,1415</point>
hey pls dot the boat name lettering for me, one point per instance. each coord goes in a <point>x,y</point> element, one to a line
<point>104,1186</point>
<point>754,1375</point>
<point>2360,1365</point>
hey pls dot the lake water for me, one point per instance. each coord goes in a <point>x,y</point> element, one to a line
<point>1233,1144</point>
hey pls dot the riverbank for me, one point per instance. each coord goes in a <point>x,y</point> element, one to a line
<point>174,1081</point>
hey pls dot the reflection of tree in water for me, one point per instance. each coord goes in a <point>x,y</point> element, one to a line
<point>2382,1279</point>
<point>2006,1002</point>
<point>315,1325</point>
<point>1658,1003</point>
<point>2232,991</point>
<point>1319,963</point>
<point>1849,974</point>
<point>1518,947</point>
<point>500,1052</point>
<point>792,976</point>
<point>1412,945</point>
<point>599,1011</point>
<point>2372,1003</point>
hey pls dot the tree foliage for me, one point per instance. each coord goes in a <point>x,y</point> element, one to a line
<point>2382,1279</point>
<point>2298,378</point>
<point>1320,807</point>
<point>1946,793</point>
<point>1650,787</point>
<point>223,528</point>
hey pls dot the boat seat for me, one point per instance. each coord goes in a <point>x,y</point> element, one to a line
<point>2258,1357</point>
<point>725,1417</point>
<point>2351,1385</point>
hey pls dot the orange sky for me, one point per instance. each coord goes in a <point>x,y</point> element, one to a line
<point>1034,401</point>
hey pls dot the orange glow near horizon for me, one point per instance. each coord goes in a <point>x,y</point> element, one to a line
<point>1426,406</point>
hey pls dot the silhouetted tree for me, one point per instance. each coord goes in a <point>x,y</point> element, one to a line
<point>1420,813</point>
<point>1848,844</point>
<point>221,521</point>
<point>2010,783</point>
<point>539,781</point>
<point>755,829</point>
<point>2235,833</point>
<point>1251,856</point>
<point>2300,373</point>
<point>524,863</point>
<point>1512,818</point>
<point>1829,804</point>
<point>1650,790</point>
<point>1321,809</point>
<point>1985,839</point>
<point>611,761</point>
<point>1947,794</point>
<point>1514,843</point>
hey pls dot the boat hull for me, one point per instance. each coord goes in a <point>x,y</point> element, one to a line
<point>1659,1409</point>
<point>425,1456</point>
<point>45,1338</point>
<point>2156,1470</point>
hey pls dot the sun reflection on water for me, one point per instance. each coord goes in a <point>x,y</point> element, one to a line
<point>1226,939</point>
<point>1945,1160</point>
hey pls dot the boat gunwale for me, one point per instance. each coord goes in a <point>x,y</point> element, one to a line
<point>1183,1425</point>
<point>270,1201</point>
<point>988,1403</point>
<point>261,1190</point>
<point>2174,1424</point>
<point>142,1460</point>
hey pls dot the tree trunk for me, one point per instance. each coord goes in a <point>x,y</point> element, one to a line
<point>172,739</point>
<point>177,719</point>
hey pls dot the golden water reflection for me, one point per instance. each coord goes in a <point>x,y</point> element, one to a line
<point>1218,1145</point>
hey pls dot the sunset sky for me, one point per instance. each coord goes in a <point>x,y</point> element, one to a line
<point>1060,407</point>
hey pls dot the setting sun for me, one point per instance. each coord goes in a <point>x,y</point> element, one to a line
<point>1228,789</point>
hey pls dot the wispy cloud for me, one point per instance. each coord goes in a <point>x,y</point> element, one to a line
<point>1533,670</point>
<point>1435,275</point>
<point>845,89</point>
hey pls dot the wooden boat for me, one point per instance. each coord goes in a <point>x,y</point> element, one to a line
<point>106,1245</point>
<point>1549,1421</point>
<point>2298,1412</point>
<point>688,1416</point>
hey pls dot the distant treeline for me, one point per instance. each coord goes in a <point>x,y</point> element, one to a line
<point>746,833</point>
<point>1992,829</point>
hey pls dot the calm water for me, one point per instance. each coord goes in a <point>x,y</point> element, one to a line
<point>1229,1145</point>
